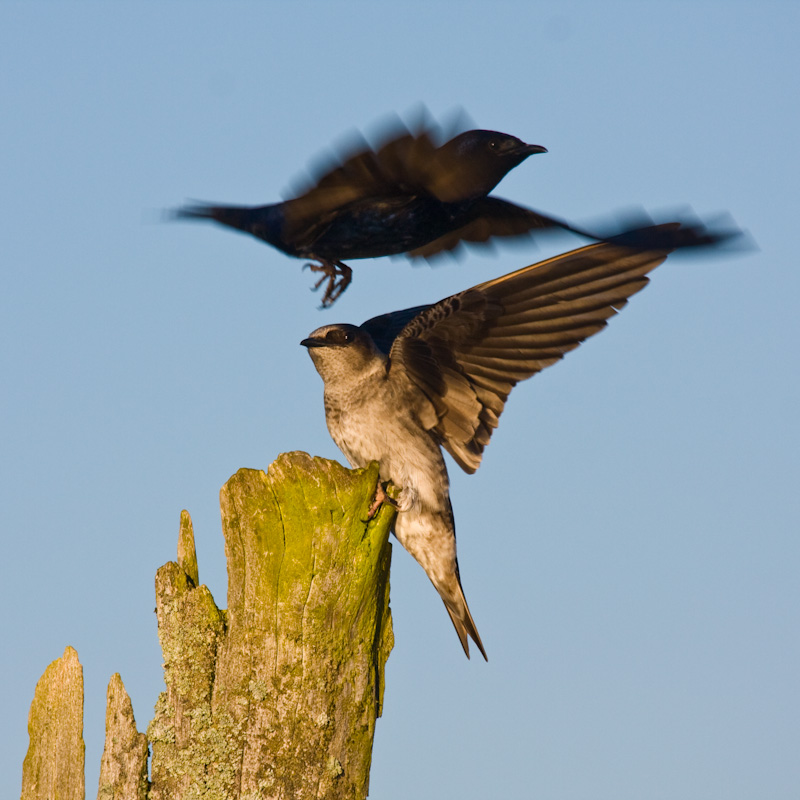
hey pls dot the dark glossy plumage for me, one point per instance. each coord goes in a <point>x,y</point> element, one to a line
<point>405,384</point>
<point>408,195</point>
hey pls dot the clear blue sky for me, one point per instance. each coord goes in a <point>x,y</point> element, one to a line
<point>629,547</point>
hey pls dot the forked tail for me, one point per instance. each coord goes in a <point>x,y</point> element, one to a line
<point>457,608</point>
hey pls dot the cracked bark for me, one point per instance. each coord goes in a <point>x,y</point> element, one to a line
<point>277,697</point>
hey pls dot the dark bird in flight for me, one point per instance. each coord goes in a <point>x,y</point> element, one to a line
<point>407,195</point>
<point>404,385</point>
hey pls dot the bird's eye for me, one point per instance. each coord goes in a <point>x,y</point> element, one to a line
<point>338,336</point>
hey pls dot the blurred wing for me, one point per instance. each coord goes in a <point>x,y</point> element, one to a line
<point>398,166</point>
<point>491,217</point>
<point>464,354</point>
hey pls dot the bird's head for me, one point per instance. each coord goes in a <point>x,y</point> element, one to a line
<point>474,162</point>
<point>343,353</point>
<point>501,146</point>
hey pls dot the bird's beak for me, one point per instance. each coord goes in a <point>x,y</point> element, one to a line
<point>311,342</point>
<point>532,149</point>
<point>521,150</point>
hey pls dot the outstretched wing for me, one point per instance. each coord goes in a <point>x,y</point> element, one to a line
<point>491,217</point>
<point>464,354</point>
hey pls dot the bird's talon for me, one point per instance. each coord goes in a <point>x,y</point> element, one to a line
<point>378,500</point>
<point>338,276</point>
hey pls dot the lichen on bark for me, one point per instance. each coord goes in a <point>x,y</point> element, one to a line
<point>123,769</point>
<point>277,697</point>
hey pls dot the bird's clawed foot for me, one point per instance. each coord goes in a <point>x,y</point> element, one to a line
<point>380,498</point>
<point>404,500</point>
<point>338,276</point>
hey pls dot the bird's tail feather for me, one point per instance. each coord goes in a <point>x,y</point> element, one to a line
<point>461,618</point>
<point>239,217</point>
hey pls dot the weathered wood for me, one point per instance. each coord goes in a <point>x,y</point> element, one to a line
<point>54,765</point>
<point>191,749</point>
<point>123,769</point>
<point>278,697</point>
<point>187,555</point>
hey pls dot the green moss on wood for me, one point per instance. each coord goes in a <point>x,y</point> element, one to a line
<point>277,697</point>
<point>262,700</point>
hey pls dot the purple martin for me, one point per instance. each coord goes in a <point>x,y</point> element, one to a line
<point>404,385</point>
<point>408,195</point>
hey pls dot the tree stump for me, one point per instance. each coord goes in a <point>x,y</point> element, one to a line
<point>276,697</point>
